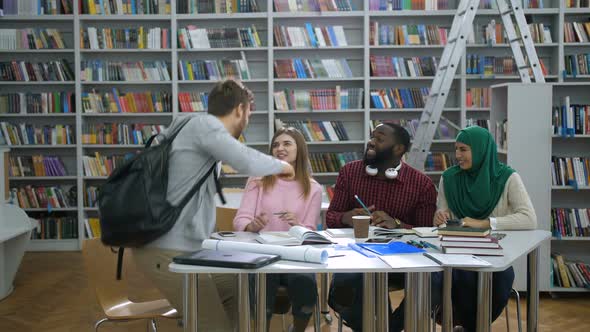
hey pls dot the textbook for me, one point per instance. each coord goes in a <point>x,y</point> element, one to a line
<point>297,235</point>
<point>463,231</point>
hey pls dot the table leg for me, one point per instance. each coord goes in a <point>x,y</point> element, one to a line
<point>382,294</point>
<point>447,303</point>
<point>425,307</point>
<point>411,291</point>
<point>532,295</point>
<point>243,303</point>
<point>369,302</point>
<point>484,301</point>
<point>190,298</point>
<point>324,291</point>
<point>261,302</point>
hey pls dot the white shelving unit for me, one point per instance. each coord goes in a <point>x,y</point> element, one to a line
<point>524,105</point>
<point>356,24</point>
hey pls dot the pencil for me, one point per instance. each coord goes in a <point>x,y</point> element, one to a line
<point>362,204</point>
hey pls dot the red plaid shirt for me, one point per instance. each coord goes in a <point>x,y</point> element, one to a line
<point>411,197</point>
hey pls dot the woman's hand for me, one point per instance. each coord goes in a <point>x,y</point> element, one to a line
<point>258,223</point>
<point>441,217</point>
<point>290,218</point>
<point>476,223</point>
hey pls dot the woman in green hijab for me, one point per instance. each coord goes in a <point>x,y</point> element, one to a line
<point>483,193</point>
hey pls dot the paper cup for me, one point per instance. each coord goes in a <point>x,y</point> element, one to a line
<point>360,225</point>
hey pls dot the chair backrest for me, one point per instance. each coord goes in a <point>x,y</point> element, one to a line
<point>101,262</point>
<point>225,218</point>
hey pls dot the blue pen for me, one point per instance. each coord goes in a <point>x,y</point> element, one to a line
<point>360,250</point>
<point>362,204</point>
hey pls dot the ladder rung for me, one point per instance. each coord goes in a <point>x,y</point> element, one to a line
<point>517,39</point>
<point>507,11</point>
<point>524,67</point>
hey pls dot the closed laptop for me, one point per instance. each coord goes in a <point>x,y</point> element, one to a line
<point>229,259</point>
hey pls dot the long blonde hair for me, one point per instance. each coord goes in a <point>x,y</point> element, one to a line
<point>302,172</point>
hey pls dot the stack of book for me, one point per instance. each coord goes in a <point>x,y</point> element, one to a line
<point>466,240</point>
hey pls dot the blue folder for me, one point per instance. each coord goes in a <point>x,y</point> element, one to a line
<point>392,248</point>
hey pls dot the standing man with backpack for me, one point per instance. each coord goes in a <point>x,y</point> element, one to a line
<point>200,144</point>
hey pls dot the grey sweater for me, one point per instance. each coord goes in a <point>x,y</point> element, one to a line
<point>198,145</point>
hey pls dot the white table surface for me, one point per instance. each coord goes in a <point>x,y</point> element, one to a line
<point>7,234</point>
<point>351,262</point>
<point>516,244</point>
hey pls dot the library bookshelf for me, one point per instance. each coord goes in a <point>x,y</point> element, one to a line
<point>554,170</point>
<point>468,102</point>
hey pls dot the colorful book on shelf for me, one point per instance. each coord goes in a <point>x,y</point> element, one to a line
<point>124,7</point>
<point>92,227</point>
<point>37,7</point>
<point>570,222</point>
<point>55,228</point>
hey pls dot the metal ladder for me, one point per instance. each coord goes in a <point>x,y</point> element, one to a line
<point>451,56</point>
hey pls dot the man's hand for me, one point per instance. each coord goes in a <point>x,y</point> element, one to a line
<point>347,216</point>
<point>257,223</point>
<point>441,217</point>
<point>476,223</point>
<point>288,171</point>
<point>382,219</point>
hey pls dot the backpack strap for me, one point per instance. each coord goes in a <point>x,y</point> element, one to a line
<point>219,188</point>
<point>120,253</point>
<point>196,187</point>
<point>172,135</point>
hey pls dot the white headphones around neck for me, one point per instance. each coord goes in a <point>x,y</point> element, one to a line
<point>390,173</point>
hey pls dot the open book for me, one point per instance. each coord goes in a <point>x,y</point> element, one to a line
<point>297,235</point>
<point>373,232</point>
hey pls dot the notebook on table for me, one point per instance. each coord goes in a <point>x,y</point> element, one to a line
<point>229,259</point>
<point>391,248</point>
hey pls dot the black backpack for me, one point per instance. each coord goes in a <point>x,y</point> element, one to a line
<point>132,203</point>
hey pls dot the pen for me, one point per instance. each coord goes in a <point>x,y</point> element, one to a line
<point>429,245</point>
<point>362,204</point>
<point>414,243</point>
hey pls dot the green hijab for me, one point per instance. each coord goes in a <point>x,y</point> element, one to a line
<point>475,192</point>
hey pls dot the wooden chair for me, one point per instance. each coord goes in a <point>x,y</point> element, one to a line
<point>112,294</point>
<point>225,219</point>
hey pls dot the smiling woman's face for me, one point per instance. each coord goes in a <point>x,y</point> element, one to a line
<point>463,155</point>
<point>285,148</point>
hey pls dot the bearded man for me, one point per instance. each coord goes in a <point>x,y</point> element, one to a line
<point>397,196</point>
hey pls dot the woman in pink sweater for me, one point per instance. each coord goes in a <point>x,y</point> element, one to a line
<point>275,204</point>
